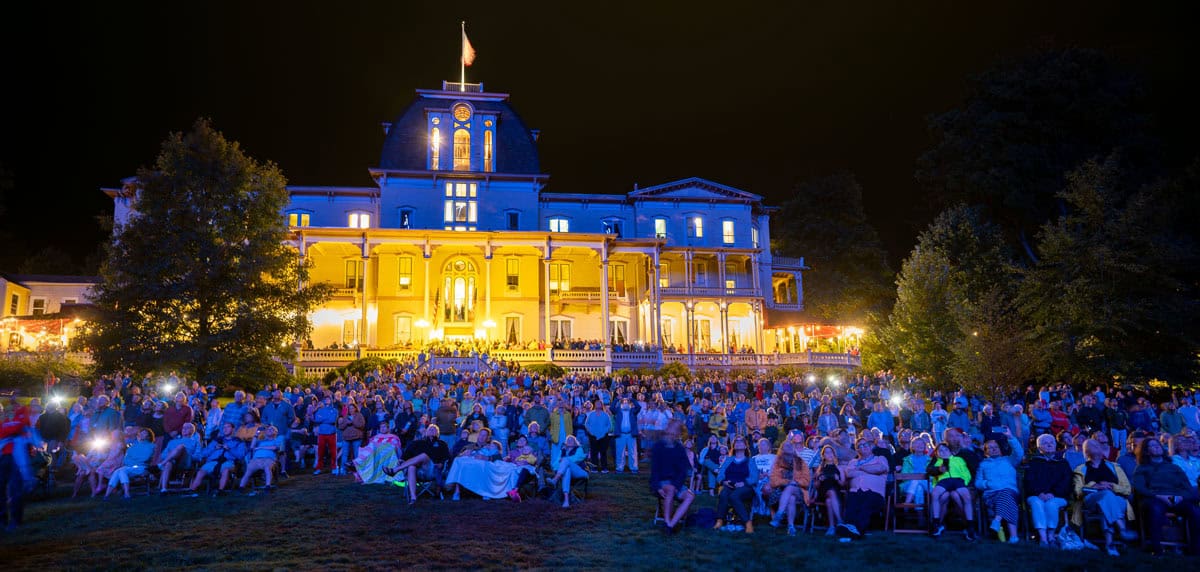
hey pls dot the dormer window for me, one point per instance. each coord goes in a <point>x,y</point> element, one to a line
<point>359,219</point>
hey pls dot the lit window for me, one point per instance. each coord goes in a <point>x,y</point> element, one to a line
<point>696,227</point>
<point>406,218</point>
<point>487,151</point>
<point>69,301</point>
<point>731,275</point>
<point>14,304</point>
<point>616,279</point>
<point>754,237</point>
<point>38,306</point>
<point>512,271</point>
<point>406,272</point>
<point>727,231</point>
<point>560,225</point>
<point>514,220</point>
<point>354,274</point>
<point>664,275</point>
<point>660,228</point>
<point>462,150</point>
<point>298,219</point>
<point>435,149</point>
<point>700,271</point>
<point>560,329</point>
<point>613,227</point>
<point>360,220</point>
<point>461,207</point>
<point>560,277</point>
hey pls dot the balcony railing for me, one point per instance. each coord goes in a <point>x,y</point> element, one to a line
<point>314,362</point>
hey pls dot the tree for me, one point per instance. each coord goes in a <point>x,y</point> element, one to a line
<point>993,354</point>
<point>49,260</point>
<point>825,223</point>
<point>200,279</point>
<point>958,261</point>
<point>1114,293</point>
<point>1025,125</point>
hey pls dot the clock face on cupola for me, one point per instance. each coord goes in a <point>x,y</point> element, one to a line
<point>462,112</point>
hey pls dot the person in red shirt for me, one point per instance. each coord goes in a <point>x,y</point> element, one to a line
<point>176,415</point>
<point>14,463</point>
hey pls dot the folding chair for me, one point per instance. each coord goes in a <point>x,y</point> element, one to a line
<point>579,488</point>
<point>920,511</point>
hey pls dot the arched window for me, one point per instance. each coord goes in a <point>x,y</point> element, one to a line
<point>458,291</point>
<point>462,150</point>
<point>435,149</point>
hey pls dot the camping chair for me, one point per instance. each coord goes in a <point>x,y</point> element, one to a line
<point>429,486</point>
<point>918,510</point>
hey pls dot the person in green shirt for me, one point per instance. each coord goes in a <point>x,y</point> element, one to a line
<point>949,476</point>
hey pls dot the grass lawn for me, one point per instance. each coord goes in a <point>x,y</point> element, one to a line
<point>329,523</point>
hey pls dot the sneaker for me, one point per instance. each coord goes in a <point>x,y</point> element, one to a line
<point>969,533</point>
<point>830,531</point>
<point>996,525</point>
<point>1113,551</point>
<point>937,531</point>
<point>1013,540</point>
<point>854,533</point>
<point>317,472</point>
<point>774,522</point>
<point>791,531</point>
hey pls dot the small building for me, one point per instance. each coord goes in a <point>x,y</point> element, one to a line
<point>41,311</point>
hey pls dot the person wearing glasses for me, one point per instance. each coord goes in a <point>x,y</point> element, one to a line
<point>866,485</point>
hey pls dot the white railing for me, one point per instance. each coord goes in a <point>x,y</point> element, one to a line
<point>328,355</point>
<point>577,355</point>
<point>458,86</point>
<point>401,355</point>
<point>457,363</point>
<point>520,355</point>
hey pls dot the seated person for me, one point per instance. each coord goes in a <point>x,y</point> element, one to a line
<point>264,454</point>
<point>668,476</point>
<point>1160,486</point>
<point>134,465</point>
<point>866,485</point>
<point>461,444</point>
<point>1103,488</point>
<point>88,464</point>
<point>220,456</point>
<point>568,467</point>
<point>425,458</point>
<point>787,483</point>
<point>378,457</point>
<point>997,479</point>
<point>949,475</point>
<point>916,462</point>
<point>525,458</point>
<point>1047,484</point>
<point>830,482</point>
<point>178,453</point>
<point>469,467</point>
<point>248,429</point>
<point>738,477</point>
<point>710,460</point>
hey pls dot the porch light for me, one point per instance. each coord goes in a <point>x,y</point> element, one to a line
<point>489,324</point>
<point>422,323</point>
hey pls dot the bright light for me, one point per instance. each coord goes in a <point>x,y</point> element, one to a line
<point>834,380</point>
<point>168,388</point>
<point>897,400</point>
<point>489,323</point>
<point>422,323</point>
<point>57,399</point>
<point>812,378</point>
<point>99,443</point>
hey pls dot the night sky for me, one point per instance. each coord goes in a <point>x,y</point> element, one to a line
<point>756,98</point>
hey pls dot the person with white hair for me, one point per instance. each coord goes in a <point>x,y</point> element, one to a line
<point>1048,482</point>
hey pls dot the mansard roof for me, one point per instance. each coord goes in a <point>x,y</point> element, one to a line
<point>406,144</point>
<point>694,188</point>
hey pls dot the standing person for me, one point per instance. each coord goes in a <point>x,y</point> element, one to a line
<point>325,426</point>
<point>599,425</point>
<point>561,425</point>
<point>280,414</point>
<point>14,466</point>
<point>939,419</point>
<point>1118,424</point>
<point>352,426</point>
<point>625,420</point>
<point>669,469</point>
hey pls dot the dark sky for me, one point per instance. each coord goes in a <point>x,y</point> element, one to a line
<point>748,95</point>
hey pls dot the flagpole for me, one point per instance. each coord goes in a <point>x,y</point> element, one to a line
<point>462,61</point>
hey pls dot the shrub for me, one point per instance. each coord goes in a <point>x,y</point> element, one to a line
<point>675,369</point>
<point>27,372</point>
<point>547,370</point>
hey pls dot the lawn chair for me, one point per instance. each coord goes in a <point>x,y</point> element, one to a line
<point>918,510</point>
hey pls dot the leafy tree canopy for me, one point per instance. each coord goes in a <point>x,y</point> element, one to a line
<point>825,223</point>
<point>200,279</point>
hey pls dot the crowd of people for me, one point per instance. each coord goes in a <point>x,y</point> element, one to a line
<point>842,449</point>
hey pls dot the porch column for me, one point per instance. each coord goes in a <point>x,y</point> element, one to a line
<point>689,276</point>
<point>756,275</point>
<point>546,295</point>
<point>487,300</point>
<point>363,328</point>
<point>724,326</point>
<point>656,303</point>
<point>605,334</point>
<point>427,280</point>
<point>721,273</point>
